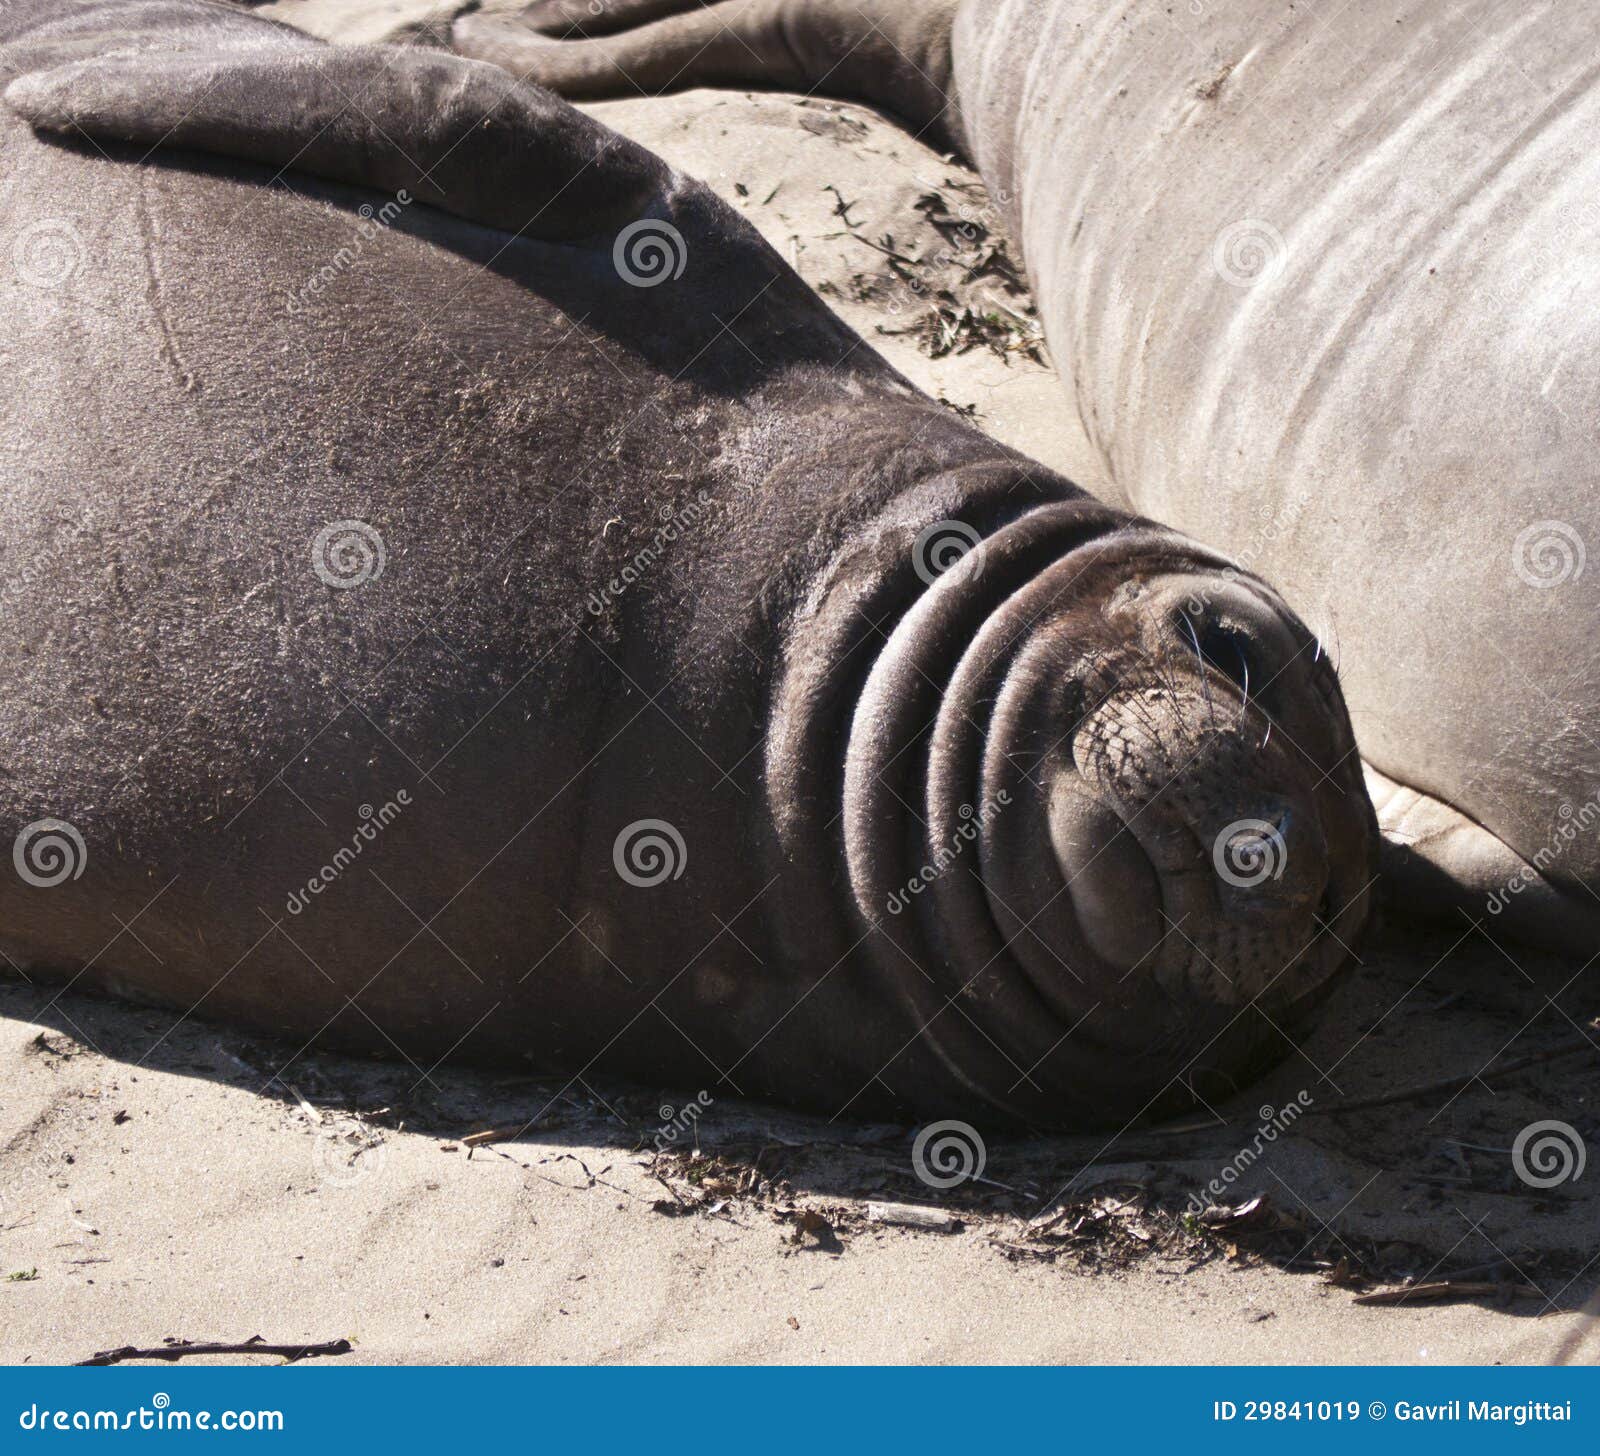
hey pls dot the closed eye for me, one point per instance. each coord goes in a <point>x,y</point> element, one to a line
<point>1221,648</point>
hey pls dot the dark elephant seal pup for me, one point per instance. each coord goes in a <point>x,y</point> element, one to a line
<point>480,604</point>
<point>1312,280</point>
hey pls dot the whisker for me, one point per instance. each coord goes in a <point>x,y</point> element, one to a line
<point>1199,656</point>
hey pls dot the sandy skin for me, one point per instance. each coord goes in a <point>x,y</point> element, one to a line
<point>1381,425</point>
<point>867,627</point>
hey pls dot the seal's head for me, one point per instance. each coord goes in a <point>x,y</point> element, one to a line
<point>1103,814</point>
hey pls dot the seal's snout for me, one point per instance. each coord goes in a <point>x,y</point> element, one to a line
<point>1123,820</point>
<point>1207,844</point>
<point>1157,828</point>
<point>1175,821</point>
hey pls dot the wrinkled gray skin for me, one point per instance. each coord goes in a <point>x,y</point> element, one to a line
<point>1320,283</point>
<point>649,554</point>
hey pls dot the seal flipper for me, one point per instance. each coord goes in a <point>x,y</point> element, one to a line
<point>454,133</point>
<point>583,19</point>
<point>886,53</point>
<point>1439,864</point>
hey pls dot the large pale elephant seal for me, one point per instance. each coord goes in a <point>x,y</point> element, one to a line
<point>510,618</point>
<point>1319,283</point>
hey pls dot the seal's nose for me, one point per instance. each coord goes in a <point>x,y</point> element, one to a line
<point>1113,885</point>
<point>1273,859</point>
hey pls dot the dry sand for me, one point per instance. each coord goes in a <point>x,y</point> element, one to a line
<point>189,1183</point>
<point>183,1180</point>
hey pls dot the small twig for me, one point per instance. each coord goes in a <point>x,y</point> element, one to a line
<point>887,252</point>
<point>1466,1185</point>
<point>1448,1289</point>
<point>290,1353</point>
<point>1184,1129</point>
<point>489,1135</point>
<point>909,1215</point>
<point>841,207</point>
<point>1047,1253</point>
<point>1456,1084</point>
<point>682,1203</point>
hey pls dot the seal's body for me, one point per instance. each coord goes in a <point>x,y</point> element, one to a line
<point>577,649</point>
<point>1317,284</point>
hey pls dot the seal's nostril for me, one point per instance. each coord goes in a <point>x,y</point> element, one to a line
<point>1274,859</point>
